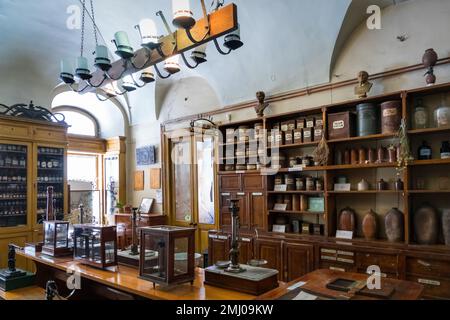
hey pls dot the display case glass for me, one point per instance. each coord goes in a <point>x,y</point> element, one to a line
<point>167,254</point>
<point>95,245</point>
<point>50,172</point>
<point>111,183</point>
<point>13,185</point>
<point>56,238</point>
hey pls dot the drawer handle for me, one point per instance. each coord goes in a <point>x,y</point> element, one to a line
<point>423,263</point>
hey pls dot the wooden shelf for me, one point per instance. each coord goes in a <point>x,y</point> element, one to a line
<point>238,143</point>
<point>428,131</point>
<point>294,212</point>
<point>428,191</point>
<point>292,170</point>
<point>361,166</point>
<point>367,192</point>
<point>294,145</point>
<point>430,162</point>
<point>224,173</point>
<point>371,137</point>
<point>296,192</point>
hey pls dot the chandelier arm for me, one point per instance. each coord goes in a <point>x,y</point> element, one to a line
<point>148,56</point>
<point>100,84</point>
<point>100,98</point>
<point>77,90</point>
<point>220,49</point>
<point>125,68</point>
<point>136,83</point>
<point>191,38</point>
<point>159,73</point>
<point>186,62</point>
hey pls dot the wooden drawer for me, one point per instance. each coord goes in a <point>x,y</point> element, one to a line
<point>230,182</point>
<point>252,182</point>
<point>434,288</point>
<point>14,131</point>
<point>428,267</point>
<point>49,135</point>
<point>336,266</point>
<point>387,263</point>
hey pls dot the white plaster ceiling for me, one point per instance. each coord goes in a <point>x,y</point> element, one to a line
<point>289,44</point>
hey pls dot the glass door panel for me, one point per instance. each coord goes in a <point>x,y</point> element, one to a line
<point>13,185</point>
<point>205,178</point>
<point>111,183</point>
<point>182,188</point>
<point>50,173</point>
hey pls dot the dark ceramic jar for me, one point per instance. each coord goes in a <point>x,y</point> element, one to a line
<point>370,226</point>
<point>426,225</point>
<point>347,220</point>
<point>394,224</point>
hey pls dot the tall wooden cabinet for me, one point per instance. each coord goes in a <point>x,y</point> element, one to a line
<point>33,156</point>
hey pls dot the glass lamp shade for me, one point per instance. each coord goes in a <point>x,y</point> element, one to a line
<point>149,33</point>
<point>67,72</point>
<point>102,58</point>
<point>124,48</point>
<point>182,15</point>
<point>172,64</point>
<point>128,83</point>
<point>233,40</point>
<point>199,54</point>
<point>147,75</point>
<point>82,70</point>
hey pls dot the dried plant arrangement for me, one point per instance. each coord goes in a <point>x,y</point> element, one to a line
<point>321,153</point>
<point>405,156</point>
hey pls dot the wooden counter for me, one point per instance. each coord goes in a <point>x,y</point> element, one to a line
<point>404,290</point>
<point>123,284</point>
<point>31,293</point>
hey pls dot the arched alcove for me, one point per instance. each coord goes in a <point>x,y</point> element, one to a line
<point>112,120</point>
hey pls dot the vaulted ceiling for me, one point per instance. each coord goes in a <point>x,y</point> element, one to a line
<point>289,44</point>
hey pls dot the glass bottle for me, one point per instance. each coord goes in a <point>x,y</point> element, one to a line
<point>445,150</point>
<point>425,152</point>
<point>421,118</point>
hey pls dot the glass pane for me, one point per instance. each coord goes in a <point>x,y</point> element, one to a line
<point>155,258</point>
<point>49,234</point>
<point>13,185</point>
<point>50,167</point>
<point>205,169</point>
<point>109,252</point>
<point>61,236</point>
<point>111,183</point>
<point>181,256</point>
<point>181,157</point>
<point>91,206</point>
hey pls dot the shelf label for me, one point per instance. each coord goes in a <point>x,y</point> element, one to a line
<point>328,258</point>
<point>429,282</point>
<point>281,188</point>
<point>226,194</point>
<point>280,207</point>
<point>328,251</point>
<point>211,236</point>
<point>257,194</point>
<point>241,194</point>
<point>298,168</point>
<point>240,172</point>
<point>222,237</point>
<point>345,261</point>
<point>337,269</point>
<point>346,253</point>
<point>347,187</point>
<point>279,228</point>
<point>346,235</point>
<point>246,240</point>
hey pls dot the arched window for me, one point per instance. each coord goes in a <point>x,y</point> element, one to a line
<point>80,123</point>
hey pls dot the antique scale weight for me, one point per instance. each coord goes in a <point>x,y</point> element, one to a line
<point>231,275</point>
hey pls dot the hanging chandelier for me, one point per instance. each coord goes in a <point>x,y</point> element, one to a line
<point>191,35</point>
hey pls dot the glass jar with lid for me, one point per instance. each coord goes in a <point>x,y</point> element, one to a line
<point>421,118</point>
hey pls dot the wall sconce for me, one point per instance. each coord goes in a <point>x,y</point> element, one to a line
<point>82,71</point>
<point>232,41</point>
<point>66,74</point>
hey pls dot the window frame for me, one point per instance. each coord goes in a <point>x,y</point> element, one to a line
<point>83,113</point>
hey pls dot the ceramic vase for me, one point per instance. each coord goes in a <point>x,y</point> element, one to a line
<point>429,58</point>
<point>347,220</point>
<point>426,225</point>
<point>369,225</point>
<point>394,224</point>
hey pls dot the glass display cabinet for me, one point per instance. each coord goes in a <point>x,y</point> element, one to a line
<point>56,239</point>
<point>167,255</point>
<point>50,172</point>
<point>95,245</point>
<point>13,185</point>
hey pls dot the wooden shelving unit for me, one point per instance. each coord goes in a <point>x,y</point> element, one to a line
<point>329,171</point>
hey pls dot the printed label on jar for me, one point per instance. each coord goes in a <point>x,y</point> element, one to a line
<point>443,120</point>
<point>297,135</point>
<point>421,118</point>
<point>310,124</point>
<point>445,155</point>
<point>390,112</point>
<point>338,125</point>
<point>307,134</point>
<point>318,133</point>
<point>425,153</point>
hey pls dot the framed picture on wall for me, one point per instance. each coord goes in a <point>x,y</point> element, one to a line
<point>146,206</point>
<point>145,156</point>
